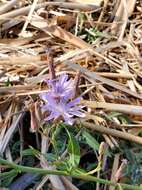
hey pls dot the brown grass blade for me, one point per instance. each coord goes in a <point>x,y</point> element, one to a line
<point>95,77</point>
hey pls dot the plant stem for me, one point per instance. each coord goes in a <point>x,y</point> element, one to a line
<point>50,62</point>
<point>26,169</point>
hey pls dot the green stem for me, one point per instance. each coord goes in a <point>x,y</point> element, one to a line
<point>26,169</point>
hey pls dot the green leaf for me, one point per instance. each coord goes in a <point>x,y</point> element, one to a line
<point>113,114</point>
<point>8,83</point>
<point>119,187</point>
<point>63,165</point>
<point>7,178</point>
<point>90,140</point>
<point>30,152</point>
<point>74,150</point>
<point>58,138</point>
<point>51,157</point>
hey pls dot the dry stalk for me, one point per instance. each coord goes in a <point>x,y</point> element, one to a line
<point>113,132</point>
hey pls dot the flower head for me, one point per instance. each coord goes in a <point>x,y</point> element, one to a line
<point>65,110</point>
<point>58,100</point>
<point>61,87</point>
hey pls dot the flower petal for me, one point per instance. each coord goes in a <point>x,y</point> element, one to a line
<point>77,113</point>
<point>43,96</point>
<point>73,102</point>
<point>62,79</point>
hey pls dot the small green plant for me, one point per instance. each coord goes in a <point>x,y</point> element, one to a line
<point>92,34</point>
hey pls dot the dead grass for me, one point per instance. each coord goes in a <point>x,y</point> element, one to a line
<point>110,66</point>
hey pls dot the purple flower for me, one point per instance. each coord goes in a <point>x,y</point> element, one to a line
<point>57,100</point>
<point>62,108</point>
<point>61,87</point>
